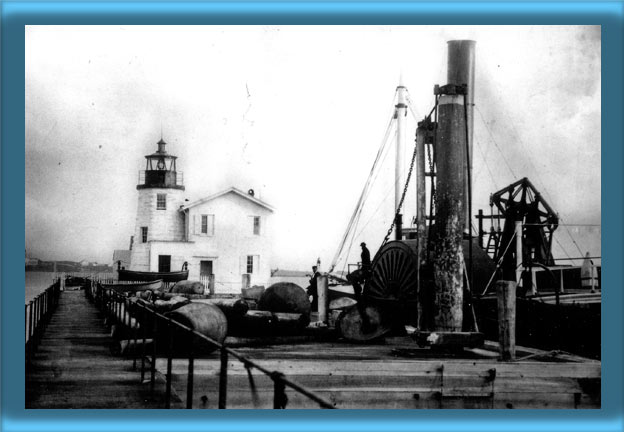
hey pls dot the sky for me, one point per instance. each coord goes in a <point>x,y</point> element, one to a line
<point>297,113</point>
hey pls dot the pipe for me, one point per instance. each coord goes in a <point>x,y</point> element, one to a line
<point>519,263</point>
<point>323,298</point>
<point>421,213</point>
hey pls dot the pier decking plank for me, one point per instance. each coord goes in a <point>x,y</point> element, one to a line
<point>73,367</point>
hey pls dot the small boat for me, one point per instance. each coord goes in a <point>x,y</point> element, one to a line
<point>74,282</point>
<point>132,275</point>
<point>133,287</point>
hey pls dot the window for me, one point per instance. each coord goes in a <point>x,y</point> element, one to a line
<point>143,234</point>
<point>207,224</point>
<point>203,224</point>
<point>256,224</point>
<point>250,264</point>
<point>161,201</point>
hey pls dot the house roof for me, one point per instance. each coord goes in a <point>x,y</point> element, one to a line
<point>225,192</point>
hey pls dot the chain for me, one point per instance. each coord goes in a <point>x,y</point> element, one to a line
<point>398,211</point>
<point>431,170</point>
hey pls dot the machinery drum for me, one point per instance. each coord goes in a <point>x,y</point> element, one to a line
<point>393,273</point>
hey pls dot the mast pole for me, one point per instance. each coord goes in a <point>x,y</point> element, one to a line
<point>400,114</point>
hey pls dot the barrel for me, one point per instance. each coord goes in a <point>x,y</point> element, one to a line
<point>188,287</point>
<point>206,319</point>
<point>285,297</point>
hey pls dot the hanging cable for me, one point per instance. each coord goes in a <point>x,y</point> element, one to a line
<point>495,143</point>
<point>363,195</point>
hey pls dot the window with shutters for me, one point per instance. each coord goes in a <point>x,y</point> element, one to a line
<point>207,225</point>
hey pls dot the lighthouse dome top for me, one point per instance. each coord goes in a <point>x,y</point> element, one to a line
<point>160,152</point>
<point>160,170</point>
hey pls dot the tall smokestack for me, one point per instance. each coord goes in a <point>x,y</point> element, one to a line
<point>451,185</point>
<point>461,71</point>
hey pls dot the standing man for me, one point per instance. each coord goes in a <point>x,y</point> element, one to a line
<point>312,289</point>
<point>366,261</point>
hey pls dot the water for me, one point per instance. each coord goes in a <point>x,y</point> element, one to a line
<point>37,282</point>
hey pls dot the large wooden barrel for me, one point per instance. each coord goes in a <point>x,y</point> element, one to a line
<point>285,297</point>
<point>187,287</point>
<point>206,319</point>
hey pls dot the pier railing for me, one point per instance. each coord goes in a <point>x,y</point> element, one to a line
<point>37,314</point>
<point>143,322</point>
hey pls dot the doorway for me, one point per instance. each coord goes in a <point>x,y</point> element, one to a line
<point>164,263</point>
<point>205,268</point>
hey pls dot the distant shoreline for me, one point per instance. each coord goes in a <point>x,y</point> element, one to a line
<point>68,268</point>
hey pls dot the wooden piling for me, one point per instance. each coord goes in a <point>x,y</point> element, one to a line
<point>323,298</point>
<point>210,289</point>
<point>506,301</point>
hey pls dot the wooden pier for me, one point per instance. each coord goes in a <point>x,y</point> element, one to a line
<point>73,367</point>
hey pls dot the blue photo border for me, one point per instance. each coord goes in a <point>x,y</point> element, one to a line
<point>15,15</point>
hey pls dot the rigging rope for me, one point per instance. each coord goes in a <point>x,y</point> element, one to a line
<point>495,143</point>
<point>410,105</point>
<point>358,208</point>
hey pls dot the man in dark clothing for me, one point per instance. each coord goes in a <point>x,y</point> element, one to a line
<point>366,261</point>
<point>312,289</point>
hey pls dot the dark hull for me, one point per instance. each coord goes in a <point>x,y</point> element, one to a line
<point>132,276</point>
<point>573,325</point>
<point>134,287</point>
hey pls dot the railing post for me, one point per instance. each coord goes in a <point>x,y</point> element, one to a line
<point>169,363</point>
<point>30,329</point>
<point>189,378</point>
<point>279,391</point>
<point>36,324</point>
<point>153,363</point>
<point>223,379</point>
<point>143,331</point>
<point>135,332</point>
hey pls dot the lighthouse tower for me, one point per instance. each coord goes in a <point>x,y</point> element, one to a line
<point>158,219</point>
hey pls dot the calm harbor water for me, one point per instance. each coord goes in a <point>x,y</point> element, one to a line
<point>37,282</point>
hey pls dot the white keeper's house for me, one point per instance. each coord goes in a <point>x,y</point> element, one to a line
<point>227,234</point>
